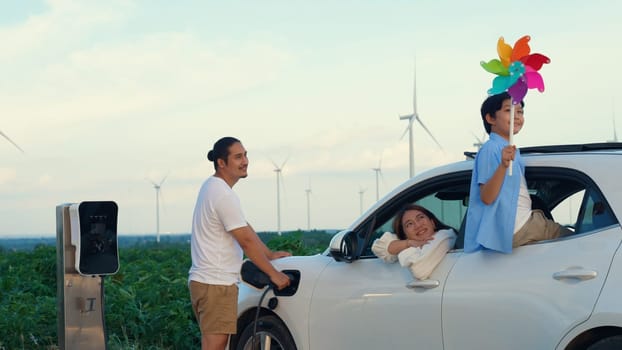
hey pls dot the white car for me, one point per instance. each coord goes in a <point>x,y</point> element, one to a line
<point>559,294</point>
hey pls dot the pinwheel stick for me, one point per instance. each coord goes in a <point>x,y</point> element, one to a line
<point>512,111</point>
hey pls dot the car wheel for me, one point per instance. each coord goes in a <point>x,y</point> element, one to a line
<point>267,327</point>
<point>611,343</point>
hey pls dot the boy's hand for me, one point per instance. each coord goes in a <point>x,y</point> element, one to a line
<point>507,155</point>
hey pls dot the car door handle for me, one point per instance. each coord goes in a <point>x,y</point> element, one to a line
<point>425,284</point>
<point>575,273</point>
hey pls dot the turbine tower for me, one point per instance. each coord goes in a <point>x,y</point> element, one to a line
<point>278,171</point>
<point>11,141</point>
<point>613,117</point>
<point>157,187</point>
<point>378,171</point>
<point>409,129</point>
<point>361,191</point>
<point>308,191</point>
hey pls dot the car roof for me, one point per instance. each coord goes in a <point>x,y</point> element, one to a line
<point>571,148</point>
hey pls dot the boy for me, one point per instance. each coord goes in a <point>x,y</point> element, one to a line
<point>500,215</point>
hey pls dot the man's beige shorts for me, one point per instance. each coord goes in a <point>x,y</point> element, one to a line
<point>215,307</point>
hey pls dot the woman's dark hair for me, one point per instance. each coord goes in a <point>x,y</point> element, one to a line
<point>397,222</point>
<point>221,150</point>
<point>492,104</point>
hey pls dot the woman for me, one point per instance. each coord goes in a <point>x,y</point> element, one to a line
<point>420,241</point>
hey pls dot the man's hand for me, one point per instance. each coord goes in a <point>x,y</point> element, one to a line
<point>280,280</point>
<point>278,254</point>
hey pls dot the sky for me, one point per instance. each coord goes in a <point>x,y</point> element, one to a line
<point>108,97</point>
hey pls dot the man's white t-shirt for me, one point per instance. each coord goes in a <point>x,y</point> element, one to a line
<point>216,255</point>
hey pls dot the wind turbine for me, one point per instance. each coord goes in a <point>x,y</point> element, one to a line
<point>378,171</point>
<point>308,191</point>
<point>361,191</point>
<point>278,171</point>
<point>409,129</point>
<point>11,141</point>
<point>157,187</point>
<point>613,117</point>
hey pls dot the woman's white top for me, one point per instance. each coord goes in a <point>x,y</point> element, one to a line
<point>420,260</point>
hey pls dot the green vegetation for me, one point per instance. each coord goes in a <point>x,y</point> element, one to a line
<point>147,304</point>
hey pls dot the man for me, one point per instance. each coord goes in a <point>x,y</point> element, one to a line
<point>220,236</point>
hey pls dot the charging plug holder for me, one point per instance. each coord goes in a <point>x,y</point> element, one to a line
<point>252,275</point>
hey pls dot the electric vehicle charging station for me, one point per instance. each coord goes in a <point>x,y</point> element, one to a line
<point>86,251</point>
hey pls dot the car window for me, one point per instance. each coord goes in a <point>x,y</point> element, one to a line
<point>571,198</point>
<point>444,196</point>
<point>567,211</point>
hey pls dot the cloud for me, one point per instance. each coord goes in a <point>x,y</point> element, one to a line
<point>7,175</point>
<point>73,79</point>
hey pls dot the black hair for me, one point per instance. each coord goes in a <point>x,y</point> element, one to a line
<point>491,105</point>
<point>221,150</point>
<point>397,222</point>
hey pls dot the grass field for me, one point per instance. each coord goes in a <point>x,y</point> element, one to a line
<point>147,304</point>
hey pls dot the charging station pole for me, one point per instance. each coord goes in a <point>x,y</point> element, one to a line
<point>80,297</point>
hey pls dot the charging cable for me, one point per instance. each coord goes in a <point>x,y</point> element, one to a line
<point>270,286</point>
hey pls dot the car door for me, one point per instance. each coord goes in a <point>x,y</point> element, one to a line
<point>530,298</point>
<point>370,304</point>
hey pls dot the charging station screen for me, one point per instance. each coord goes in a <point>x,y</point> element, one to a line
<point>98,238</point>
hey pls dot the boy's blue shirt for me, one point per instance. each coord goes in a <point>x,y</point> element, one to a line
<point>492,226</point>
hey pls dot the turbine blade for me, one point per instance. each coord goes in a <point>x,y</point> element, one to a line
<point>11,141</point>
<point>410,117</point>
<point>429,133</point>
<point>276,167</point>
<point>404,133</point>
<point>284,162</point>
<point>164,179</point>
<point>153,182</point>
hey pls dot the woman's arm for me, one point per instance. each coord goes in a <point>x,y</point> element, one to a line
<point>396,247</point>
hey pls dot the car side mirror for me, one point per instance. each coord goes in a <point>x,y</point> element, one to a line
<point>344,247</point>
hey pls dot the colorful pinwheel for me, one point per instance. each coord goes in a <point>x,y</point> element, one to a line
<point>516,69</point>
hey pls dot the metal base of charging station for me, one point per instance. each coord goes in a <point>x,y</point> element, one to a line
<point>79,298</point>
